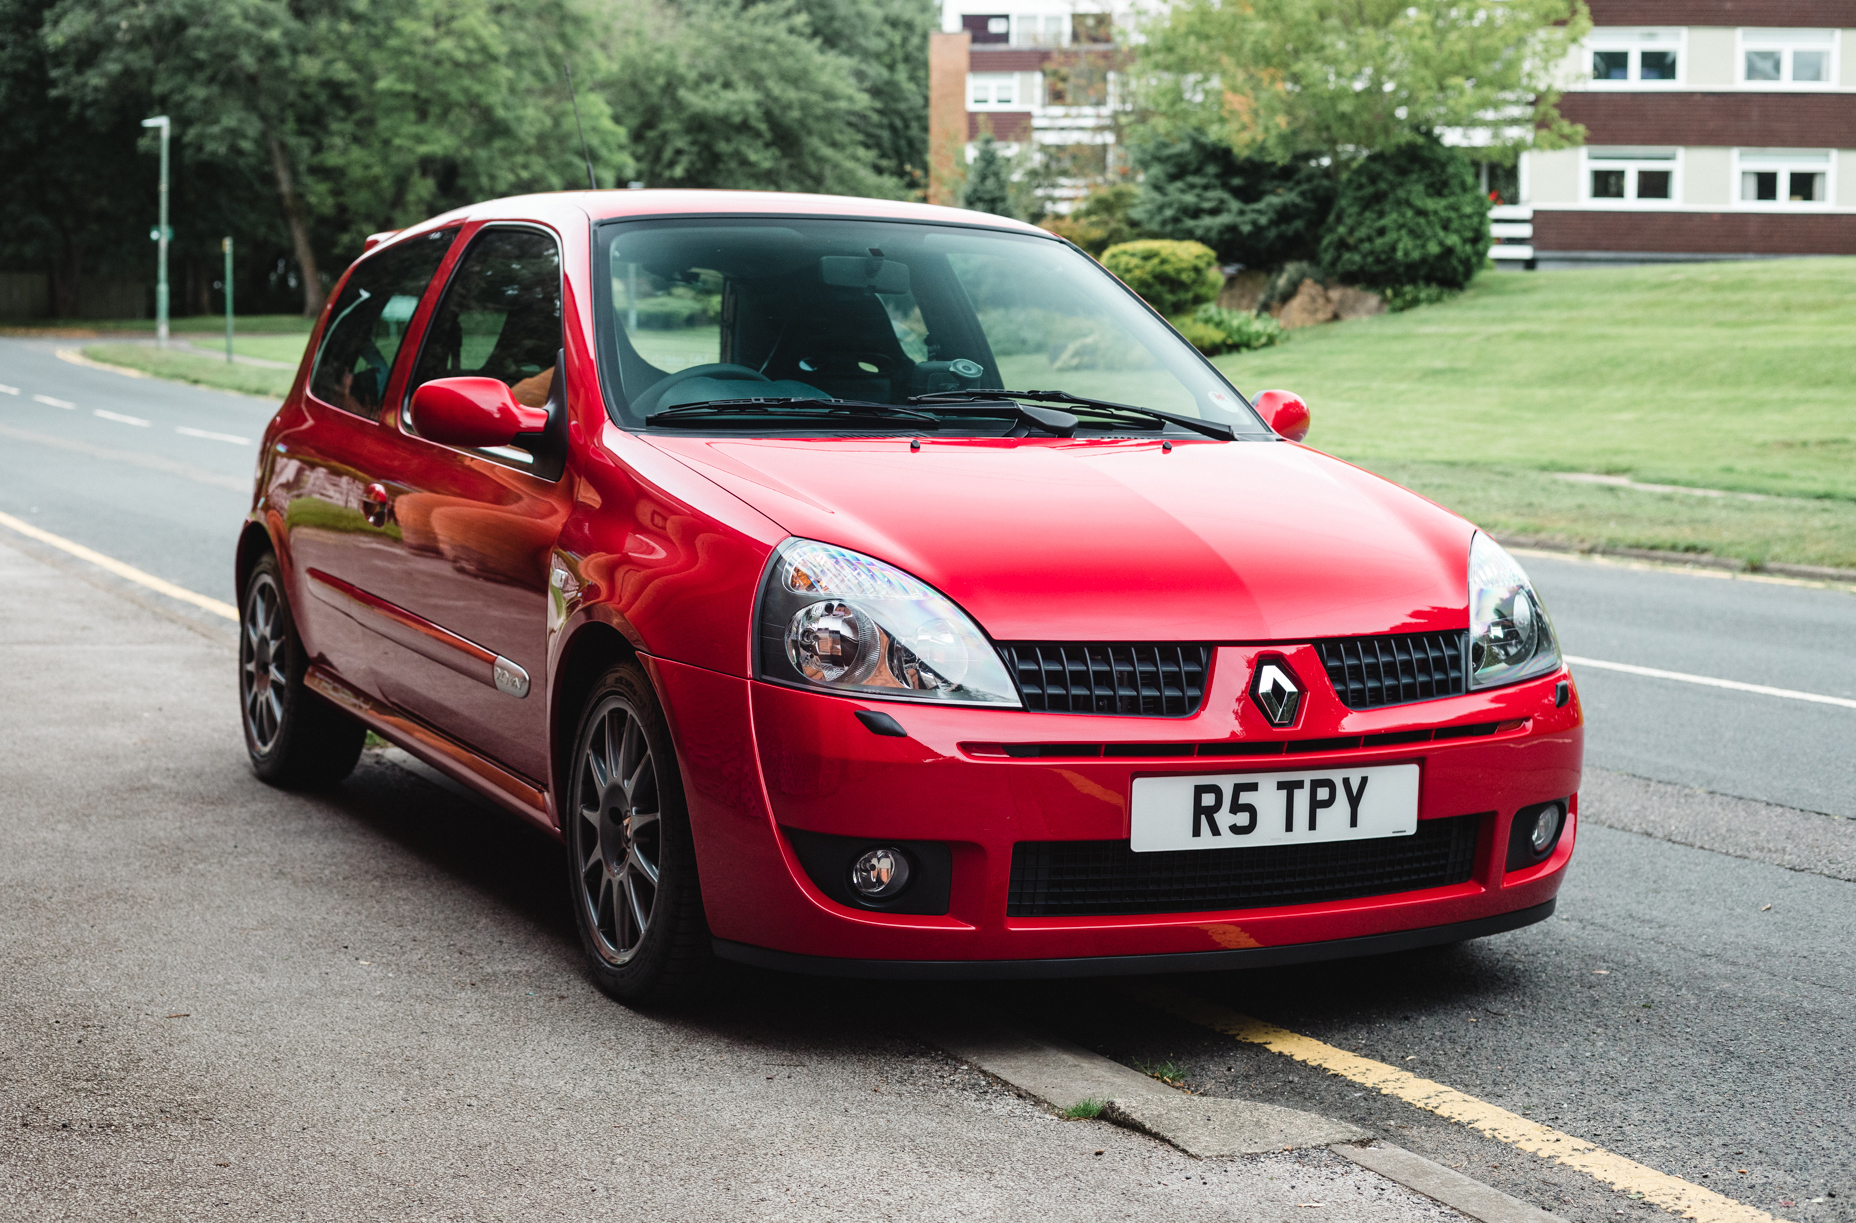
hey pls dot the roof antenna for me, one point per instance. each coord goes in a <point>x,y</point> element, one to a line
<point>591,182</point>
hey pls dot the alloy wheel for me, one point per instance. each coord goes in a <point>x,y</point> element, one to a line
<point>617,832</point>
<point>263,656</point>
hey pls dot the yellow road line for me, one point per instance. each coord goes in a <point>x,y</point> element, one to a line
<point>129,572</point>
<point>1672,1193</point>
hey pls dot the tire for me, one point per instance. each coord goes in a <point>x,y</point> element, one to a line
<point>295,738</point>
<point>631,863</point>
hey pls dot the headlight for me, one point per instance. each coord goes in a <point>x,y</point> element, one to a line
<point>1510,637</point>
<point>839,620</point>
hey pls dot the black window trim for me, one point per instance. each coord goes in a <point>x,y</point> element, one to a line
<point>514,460</point>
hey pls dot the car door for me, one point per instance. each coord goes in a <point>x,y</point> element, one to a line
<point>326,464</point>
<point>462,593</point>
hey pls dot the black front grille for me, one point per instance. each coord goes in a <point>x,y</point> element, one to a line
<point>1371,671</point>
<point>1095,878</point>
<point>1152,681</point>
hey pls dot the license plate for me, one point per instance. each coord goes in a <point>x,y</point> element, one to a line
<point>1299,807</point>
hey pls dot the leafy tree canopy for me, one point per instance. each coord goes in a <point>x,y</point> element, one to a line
<point>1250,210</point>
<point>1278,78</point>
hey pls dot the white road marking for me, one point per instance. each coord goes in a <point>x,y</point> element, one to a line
<point>1791,694</point>
<point>130,572</point>
<point>66,404</point>
<point>119,417</point>
<point>8,390</point>
<point>210,436</point>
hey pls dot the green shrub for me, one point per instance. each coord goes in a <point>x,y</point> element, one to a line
<point>1242,331</point>
<point>1100,221</point>
<point>1411,215</point>
<point>1250,211</point>
<point>1206,337</point>
<point>1173,277</point>
<point>1406,297</point>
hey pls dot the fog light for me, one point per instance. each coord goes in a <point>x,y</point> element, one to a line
<point>1546,827</point>
<point>880,873</point>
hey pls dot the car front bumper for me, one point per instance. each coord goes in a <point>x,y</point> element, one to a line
<point>762,763</point>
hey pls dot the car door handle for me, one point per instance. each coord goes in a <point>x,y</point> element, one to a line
<point>374,502</point>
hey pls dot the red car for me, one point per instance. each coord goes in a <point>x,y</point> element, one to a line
<point>875,588</point>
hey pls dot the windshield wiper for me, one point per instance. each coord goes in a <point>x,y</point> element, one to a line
<point>804,408</point>
<point>1101,407</point>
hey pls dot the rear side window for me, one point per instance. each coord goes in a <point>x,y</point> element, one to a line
<point>369,323</point>
<point>500,316</point>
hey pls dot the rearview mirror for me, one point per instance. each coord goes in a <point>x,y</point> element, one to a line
<point>1285,412</point>
<point>472,412</point>
<point>858,272</point>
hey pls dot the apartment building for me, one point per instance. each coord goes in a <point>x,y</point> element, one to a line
<point>1039,74</point>
<point>1714,129</point>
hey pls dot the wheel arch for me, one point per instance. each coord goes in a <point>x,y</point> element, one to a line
<point>594,647</point>
<point>254,541</point>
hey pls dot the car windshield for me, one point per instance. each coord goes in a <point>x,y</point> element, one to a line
<point>697,316</point>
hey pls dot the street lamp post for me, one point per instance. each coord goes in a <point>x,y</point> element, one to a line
<point>161,236</point>
<point>228,249</point>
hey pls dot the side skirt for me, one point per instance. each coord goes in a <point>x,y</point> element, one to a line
<point>1131,965</point>
<point>440,751</point>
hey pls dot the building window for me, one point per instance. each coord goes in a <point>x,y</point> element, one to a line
<point>1629,176</point>
<point>991,90</point>
<point>1787,57</point>
<point>987,27</point>
<point>1040,31</point>
<point>1631,57</point>
<point>1783,178</point>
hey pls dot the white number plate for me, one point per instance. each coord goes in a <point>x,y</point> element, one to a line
<point>1235,810</point>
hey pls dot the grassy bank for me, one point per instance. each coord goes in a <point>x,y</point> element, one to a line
<point>1731,376</point>
<point>195,325</point>
<point>180,365</point>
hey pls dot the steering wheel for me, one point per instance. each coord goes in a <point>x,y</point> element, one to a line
<point>724,371</point>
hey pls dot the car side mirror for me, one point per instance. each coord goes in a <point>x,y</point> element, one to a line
<point>1284,411</point>
<point>472,412</point>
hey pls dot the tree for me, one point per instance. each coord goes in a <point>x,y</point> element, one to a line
<point>1279,78</point>
<point>989,179</point>
<point>886,44</point>
<point>716,95</point>
<point>1410,215</point>
<point>1250,210</point>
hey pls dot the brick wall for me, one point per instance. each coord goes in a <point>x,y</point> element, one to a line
<point>1813,13</point>
<point>1743,119</point>
<point>1709,233</point>
<point>1008,126</point>
<point>947,113</point>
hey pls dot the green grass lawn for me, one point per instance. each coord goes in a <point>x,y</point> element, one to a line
<point>180,365</point>
<point>1737,376</point>
<point>212,324</point>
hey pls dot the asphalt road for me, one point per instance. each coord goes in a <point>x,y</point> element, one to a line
<point>1689,1007</point>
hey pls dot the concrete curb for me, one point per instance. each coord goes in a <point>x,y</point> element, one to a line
<point>1065,1076</point>
<point>1452,1188</point>
<point>1682,560</point>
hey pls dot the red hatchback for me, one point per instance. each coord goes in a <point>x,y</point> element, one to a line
<point>874,588</point>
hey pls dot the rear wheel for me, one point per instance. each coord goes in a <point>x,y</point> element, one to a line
<point>631,863</point>
<point>295,738</point>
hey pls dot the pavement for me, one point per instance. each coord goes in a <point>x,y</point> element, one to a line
<point>369,1003</point>
<point>224,1001</point>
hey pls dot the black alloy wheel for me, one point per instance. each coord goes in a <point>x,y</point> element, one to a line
<point>631,864</point>
<point>295,738</point>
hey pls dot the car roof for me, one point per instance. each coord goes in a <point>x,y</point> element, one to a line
<point>564,206</point>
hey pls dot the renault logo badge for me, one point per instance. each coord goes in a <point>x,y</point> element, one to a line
<point>1276,691</point>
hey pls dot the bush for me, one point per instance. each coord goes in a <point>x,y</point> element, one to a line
<point>1173,277</point>
<point>1252,212</point>
<point>1203,336</point>
<point>1406,297</point>
<point>1241,331</point>
<point>1100,221</point>
<point>1411,215</point>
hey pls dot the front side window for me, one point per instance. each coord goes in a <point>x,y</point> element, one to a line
<point>699,312</point>
<point>1630,175</point>
<point>368,322</point>
<point>1786,57</point>
<point>1784,177</point>
<point>500,316</point>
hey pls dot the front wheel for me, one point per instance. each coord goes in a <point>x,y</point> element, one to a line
<point>631,862</point>
<point>295,738</point>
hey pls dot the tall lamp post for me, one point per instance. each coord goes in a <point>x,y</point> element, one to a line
<point>161,236</point>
